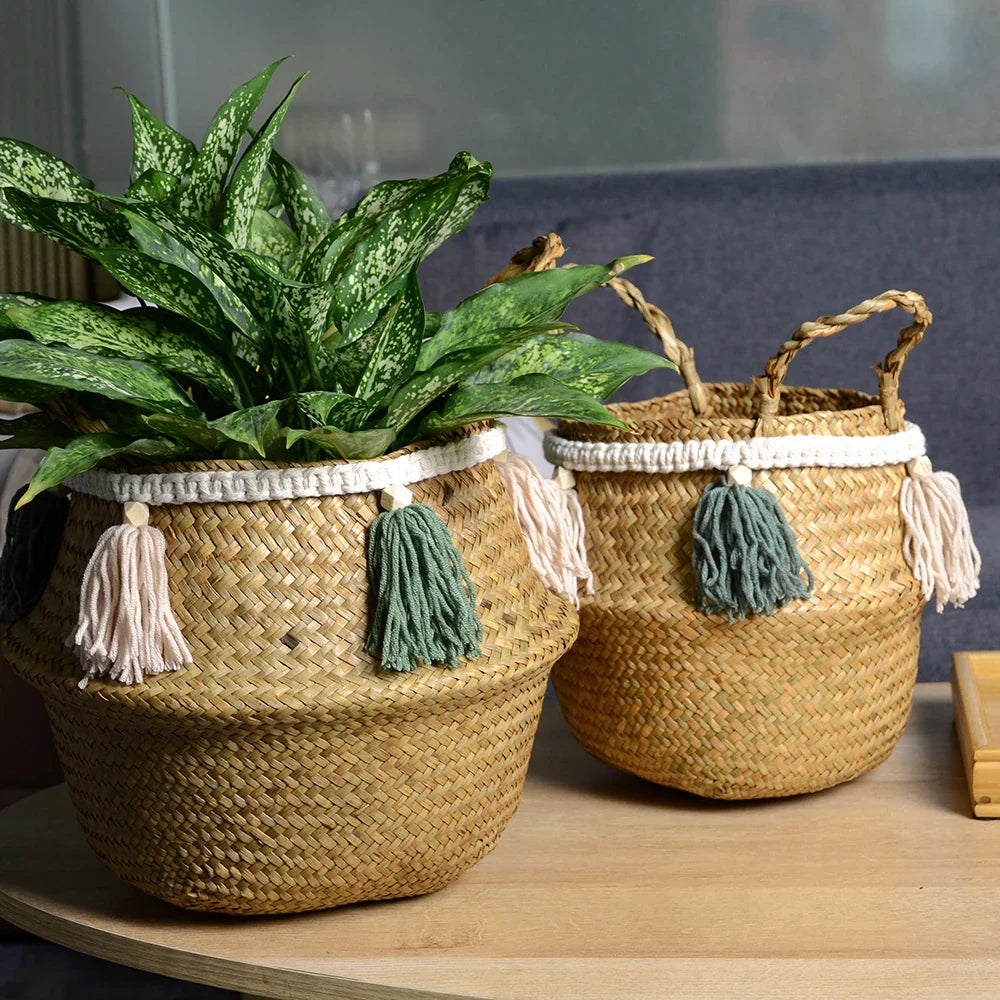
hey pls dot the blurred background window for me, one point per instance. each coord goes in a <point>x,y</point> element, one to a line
<point>559,86</point>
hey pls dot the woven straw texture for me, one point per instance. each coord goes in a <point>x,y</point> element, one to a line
<point>811,696</point>
<point>283,771</point>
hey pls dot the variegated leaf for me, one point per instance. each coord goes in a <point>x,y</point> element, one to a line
<point>156,335</point>
<point>322,408</point>
<point>135,382</point>
<point>510,338</point>
<point>596,367</point>
<point>528,300</point>
<point>152,185</point>
<point>393,343</point>
<point>527,396</point>
<point>85,228</point>
<point>30,169</point>
<point>268,195</point>
<point>210,170</point>
<point>415,395</point>
<point>84,452</point>
<point>10,300</point>
<point>306,211</point>
<point>322,257</point>
<point>242,291</point>
<point>256,428</point>
<point>196,431</point>
<point>346,444</point>
<point>170,287</point>
<point>388,245</point>
<point>244,189</point>
<point>155,145</point>
<point>297,328</point>
<point>271,238</point>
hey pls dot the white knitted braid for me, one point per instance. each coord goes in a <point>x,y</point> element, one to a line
<point>253,485</point>
<point>793,451</point>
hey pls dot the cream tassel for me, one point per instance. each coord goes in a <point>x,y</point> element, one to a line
<point>551,521</point>
<point>126,628</point>
<point>937,538</point>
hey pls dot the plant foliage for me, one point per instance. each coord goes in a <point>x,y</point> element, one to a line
<point>278,332</point>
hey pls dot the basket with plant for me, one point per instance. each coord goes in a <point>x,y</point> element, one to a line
<point>270,509</point>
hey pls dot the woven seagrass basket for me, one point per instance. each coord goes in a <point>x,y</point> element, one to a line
<point>810,696</point>
<point>283,770</point>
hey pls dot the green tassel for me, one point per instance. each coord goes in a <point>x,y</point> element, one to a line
<point>745,557</point>
<point>34,534</point>
<point>424,599</point>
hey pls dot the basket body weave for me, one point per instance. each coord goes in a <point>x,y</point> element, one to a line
<point>811,696</point>
<point>284,771</point>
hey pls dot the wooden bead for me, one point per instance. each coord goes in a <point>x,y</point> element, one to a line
<point>136,514</point>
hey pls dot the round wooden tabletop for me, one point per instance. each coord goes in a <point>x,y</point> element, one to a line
<point>603,887</point>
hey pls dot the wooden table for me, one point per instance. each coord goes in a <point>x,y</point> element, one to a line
<point>604,887</point>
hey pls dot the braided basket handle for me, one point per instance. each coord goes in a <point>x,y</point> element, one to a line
<point>769,384</point>
<point>543,254</point>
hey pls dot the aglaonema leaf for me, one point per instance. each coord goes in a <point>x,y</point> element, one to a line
<point>368,443</point>
<point>298,323</point>
<point>85,228</point>
<point>306,211</point>
<point>528,395</point>
<point>135,382</point>
<point>394,343</point>
<point>152,185</point>
<point>270,237</point>
<point>525,301</point>
<point>189,429</point>
<point>323,408</point>
<point>155,145</point>
<point>385,246</point>
<point>256,428</point>
<point>210,170</point>
<point>597,367</point>
<point>156,335</point>
<point>34,171</point>
<point>244,189</point>
<point>86,451</point>
<point>34,430</point>
<point>9,300</point>
<point>170,287</point>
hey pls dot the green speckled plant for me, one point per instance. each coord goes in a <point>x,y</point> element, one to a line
<point>277,332</point>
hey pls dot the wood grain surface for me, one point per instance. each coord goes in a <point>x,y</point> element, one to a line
<point>604,887</point>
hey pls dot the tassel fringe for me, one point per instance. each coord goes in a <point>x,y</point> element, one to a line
<point>745,557</point>
<point>937,537</point>
<point>126,628</point>
<point>424,599</point>
<point>551,521</point>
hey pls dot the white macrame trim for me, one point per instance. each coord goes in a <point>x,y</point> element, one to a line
<point>253,485</point>
<point>792,452</point>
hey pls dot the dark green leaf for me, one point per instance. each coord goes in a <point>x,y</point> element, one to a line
<point>386,246</point>
<point>395,340</point>
<point>135,382</point>
<point>196,431</point>
<point>306,211</point>
<point>244,189</point>
<point>528,300</point>
<point>155,145</point>
<point>297,329</point>
<point>8,300</point>
<point>170,287</point>
<point>84,452</point>
<point>527,396</point>
<point>505,338</point>
<point>270,237</point>
<point>323,408</point>
<point>30,169</point>
<point>34,430</point>
<point>153,185</point>
<point>156,335</point>
<point>82,227</point>
<point>346,444</point>
<point>202,196</point>
<point>257,427</point>
<point>597,367</point>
